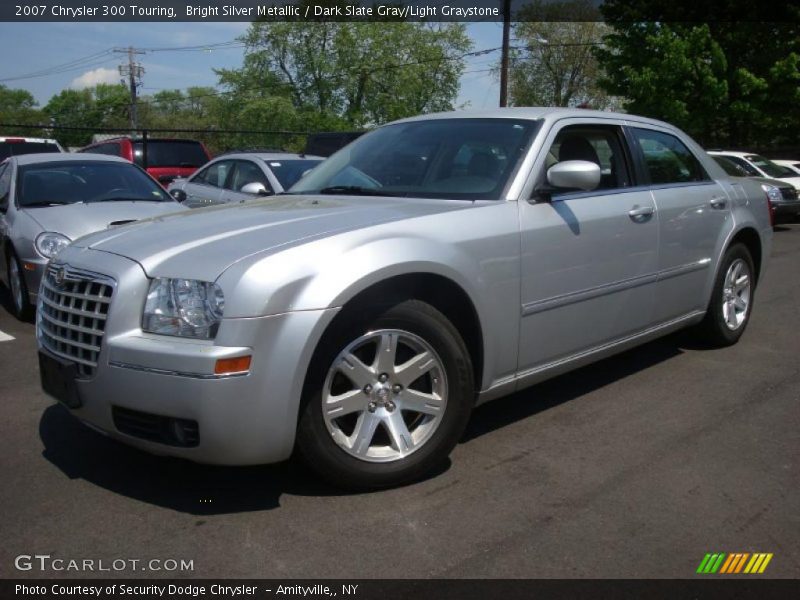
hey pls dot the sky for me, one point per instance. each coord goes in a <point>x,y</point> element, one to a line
<point>31,47</point>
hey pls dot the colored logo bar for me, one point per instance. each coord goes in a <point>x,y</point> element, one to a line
<point>735,562</point>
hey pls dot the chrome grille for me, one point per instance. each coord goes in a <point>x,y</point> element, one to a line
<point>71,315</point>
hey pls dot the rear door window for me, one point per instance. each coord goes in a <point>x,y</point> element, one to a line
<point>667,159</point>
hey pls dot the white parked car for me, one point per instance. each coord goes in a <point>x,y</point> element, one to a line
<point>759,166</point>
<point>793,165</point>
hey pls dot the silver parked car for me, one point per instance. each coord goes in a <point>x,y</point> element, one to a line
<point>237,177</point>
<point>433,264</point>
<point>48,200</point>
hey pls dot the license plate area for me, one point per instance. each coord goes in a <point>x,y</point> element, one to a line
<point>58,379</point>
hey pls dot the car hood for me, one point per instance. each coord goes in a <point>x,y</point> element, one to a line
<point>795,181</point>
<point>78,220</point>
<point>202,243</point>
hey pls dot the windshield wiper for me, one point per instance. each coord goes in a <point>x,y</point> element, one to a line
<point>46,203</point>
<point>128,199</point>
<point>357,190</point>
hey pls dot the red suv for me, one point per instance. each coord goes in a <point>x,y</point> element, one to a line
<point>167,159</point>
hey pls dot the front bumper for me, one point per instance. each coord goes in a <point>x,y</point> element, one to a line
<point>241,419</point>
<point>786,211</point>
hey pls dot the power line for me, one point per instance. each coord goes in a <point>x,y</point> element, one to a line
<point>73,65</point>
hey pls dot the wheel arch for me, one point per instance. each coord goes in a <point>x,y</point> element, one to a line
<point>441,292</point>
<point>749,237</point>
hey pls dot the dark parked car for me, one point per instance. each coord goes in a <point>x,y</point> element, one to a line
<point>166,160</point>
<point>17,146</point>
<point>326,143</point>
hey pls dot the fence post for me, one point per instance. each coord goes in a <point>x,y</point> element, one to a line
<point>144,149</point>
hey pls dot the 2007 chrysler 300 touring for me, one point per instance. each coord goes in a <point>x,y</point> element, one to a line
<point>434,263</point>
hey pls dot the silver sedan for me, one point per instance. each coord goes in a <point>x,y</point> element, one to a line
<point>237,177</point>
<point>433,264</point>
<point>48,200</point>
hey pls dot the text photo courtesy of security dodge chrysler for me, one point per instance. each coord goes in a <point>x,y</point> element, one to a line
<point>433,264</point>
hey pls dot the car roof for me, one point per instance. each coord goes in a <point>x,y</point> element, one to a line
<point>33,140</point>
<point>273,156</point>
<point>731,153</point>
<point>536,113</point>
<point>48,157</point>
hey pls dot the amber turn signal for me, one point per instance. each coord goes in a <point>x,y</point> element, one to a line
<point>226,366</point>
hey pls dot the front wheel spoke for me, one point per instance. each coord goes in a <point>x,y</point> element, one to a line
<point>386,353</point>
<point>416,401</point>
<point>731,314</point>
<point>413,369</point>
<point>356,371</point>
<point>741,283</point>
<point>739,303</point>
<point>344,404</point>
<point>363,433</point>
<point>399,436</point>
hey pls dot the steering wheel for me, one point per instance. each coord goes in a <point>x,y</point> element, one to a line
<point>106,194</point>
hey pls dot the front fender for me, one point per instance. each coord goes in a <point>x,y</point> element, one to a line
<point>326,273</point>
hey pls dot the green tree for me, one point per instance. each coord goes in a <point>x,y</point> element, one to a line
<point>553,63</point>
<point>104,106</point>
<point>352,73</point>
<point>18,107</point>
<point>720,71</point>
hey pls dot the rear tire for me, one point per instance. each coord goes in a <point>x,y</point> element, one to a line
<point>386,398</point>
<point>20,305</point>
<point>732,298</point>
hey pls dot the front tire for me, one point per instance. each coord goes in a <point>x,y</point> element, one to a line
<point>386,397</point>
<point>732,298</point>
<point>20,305</point>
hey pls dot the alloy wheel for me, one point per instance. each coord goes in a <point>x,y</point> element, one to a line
<point>736,294</point>
<point>384,396</point>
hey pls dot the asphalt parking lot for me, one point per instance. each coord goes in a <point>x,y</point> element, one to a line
<point>636,466</point>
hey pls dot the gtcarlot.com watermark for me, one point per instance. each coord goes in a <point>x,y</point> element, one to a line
<point>48,563</point>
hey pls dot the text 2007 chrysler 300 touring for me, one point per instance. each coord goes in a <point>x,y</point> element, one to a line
<point>434,263</point>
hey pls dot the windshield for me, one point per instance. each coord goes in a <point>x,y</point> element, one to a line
<point>17,148</point>
<point>769,167</point>
<point>47,184</point>
<point>170,153</point>
<point>469,159</point>
<point>289,172</point>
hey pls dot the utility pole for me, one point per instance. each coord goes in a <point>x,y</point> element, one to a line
<point>133,71</point>
<point>504,58</point>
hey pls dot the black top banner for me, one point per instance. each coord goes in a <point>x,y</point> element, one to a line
<point>394,10</point>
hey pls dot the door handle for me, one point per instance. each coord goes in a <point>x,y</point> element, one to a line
<point>718,202</point>
<point>640,213</point>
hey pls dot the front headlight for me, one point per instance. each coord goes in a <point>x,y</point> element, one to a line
<point>50,243</point>
<point>773,193</point>
<point>183,307</point>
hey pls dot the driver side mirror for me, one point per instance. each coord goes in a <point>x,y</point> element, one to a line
<point>574,174</point>
<point>256,189</point>
<point>179,195</point>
